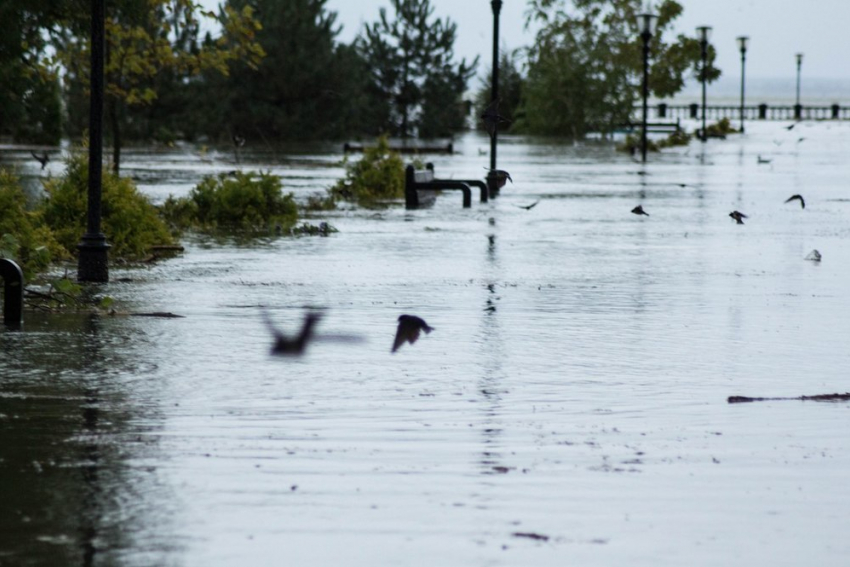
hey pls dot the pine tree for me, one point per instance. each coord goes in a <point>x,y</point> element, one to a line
<point>413,77</point>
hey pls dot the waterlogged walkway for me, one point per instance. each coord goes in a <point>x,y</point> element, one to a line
<point>569,408</point>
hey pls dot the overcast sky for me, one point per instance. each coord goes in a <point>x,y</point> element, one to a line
<point>777,29</point>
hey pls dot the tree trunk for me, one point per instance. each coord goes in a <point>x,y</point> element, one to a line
<point>115,121</point>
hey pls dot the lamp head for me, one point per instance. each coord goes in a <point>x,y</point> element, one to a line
<point>742,43</point>
<point>704,33</point>
<point>647,23</point>
<point>799,59</point>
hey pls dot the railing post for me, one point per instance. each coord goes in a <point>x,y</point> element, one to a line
<point>798,111</point>
<point>13,293</point>
<point>662,110</point>
<point>694,110</point>
<point>835,111</point>
<point>763,111</point>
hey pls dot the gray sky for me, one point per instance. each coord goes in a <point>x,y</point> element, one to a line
<point>777,29</point>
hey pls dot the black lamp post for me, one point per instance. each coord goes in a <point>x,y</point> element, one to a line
<point>704,35</point>
<point>91,264</point>
<point>646,26</point>
<point>742,45</point>
<point>798,110</point>
<point>493,177</point>
<point>494,88</point>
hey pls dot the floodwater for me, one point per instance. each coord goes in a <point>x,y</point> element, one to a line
<point>568,409</point>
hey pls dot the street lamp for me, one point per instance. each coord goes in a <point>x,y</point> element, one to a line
<point>492,177</point>
<point>742,45</point>
<point>646,26</point>
<point>704,33</point>
<point>91,263</point>
<point>798,110</point>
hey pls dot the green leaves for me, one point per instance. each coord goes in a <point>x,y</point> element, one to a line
<point>585,68</point>
<point>412,72</point>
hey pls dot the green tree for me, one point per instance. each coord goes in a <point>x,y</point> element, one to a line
<point>307,86</point>
<point>511,84</point>
<point>145,38</point>
<point>584,69</point>
<point>414,81</point>
<point>30,108</point>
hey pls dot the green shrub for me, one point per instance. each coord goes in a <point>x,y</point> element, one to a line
<point>377,176</point>
<point>720,129</point>
<point>234,202</point>
<point>130,221</point>
<point>22,238</point>
<point>677,138</point>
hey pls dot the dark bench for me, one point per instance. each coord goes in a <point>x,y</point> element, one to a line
<point>421,181</point>
<point>657,127</point>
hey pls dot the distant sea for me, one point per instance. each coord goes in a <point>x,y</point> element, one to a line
<point>773,91</point>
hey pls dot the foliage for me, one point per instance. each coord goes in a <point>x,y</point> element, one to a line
<point>677,138</point>
<point>129,220</point>
<point>30,108</point>
<point>22,237</point>
<point>307,229</point>
<point>149,38</point>
<point>511,83</point>
<point>242,202</point>
<point>720,129</point>
<point>307,86</point>
<point>411,70</point>
<point>377,176</point>
<point>585,67</point>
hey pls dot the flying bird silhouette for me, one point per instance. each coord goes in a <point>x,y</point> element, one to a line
<point>738,217</point>
<point>791,127</point>
<point>492,118</point>
<point>797,198</point>
<point>639,211</point>
<point>43,159</point>
<point>529,207</point>
<point>293,345</point>
<point>763,160</point>
<point>409,327</point>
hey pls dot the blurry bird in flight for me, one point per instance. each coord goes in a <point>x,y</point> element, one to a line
<point>43,159</point>
<point>797,198</point>
<point>492,118</point>
<point>409,327</point>
<point>763,160</point>
<point>529,207</point>
<point>292,345</point>
<point>738,217</point>
<point>639,211</point>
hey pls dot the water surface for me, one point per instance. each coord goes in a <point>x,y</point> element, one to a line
<point>574,388</point>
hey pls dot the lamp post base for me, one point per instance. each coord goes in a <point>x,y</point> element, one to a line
<point>92,263</point>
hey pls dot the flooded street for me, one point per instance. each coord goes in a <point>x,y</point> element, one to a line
<point>569,407</point>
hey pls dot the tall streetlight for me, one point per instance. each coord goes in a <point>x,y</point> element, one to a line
<point>742,45</point>
<point>704,34</point>
<point>91,264</point>
<point>492,176</point>
<point>798,110</point>
<point>646,26</point>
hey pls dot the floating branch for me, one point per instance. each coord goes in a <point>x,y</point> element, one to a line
<point>818,398</point>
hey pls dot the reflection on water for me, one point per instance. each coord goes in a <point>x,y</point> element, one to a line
<point>574,385</point>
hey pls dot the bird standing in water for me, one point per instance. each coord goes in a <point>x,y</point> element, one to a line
<point>797,198</point>
<point>293,345</point>
<point>639,211</point>
<point>738,217</point>
<point>409,327</point>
